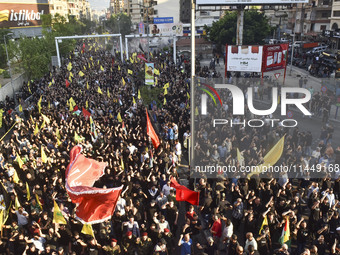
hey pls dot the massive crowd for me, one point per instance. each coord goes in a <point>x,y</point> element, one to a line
<point>148,219</point>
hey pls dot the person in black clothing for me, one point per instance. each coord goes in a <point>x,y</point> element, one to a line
<point>233,244</point>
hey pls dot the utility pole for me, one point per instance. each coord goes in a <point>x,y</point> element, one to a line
<point>240,22</point>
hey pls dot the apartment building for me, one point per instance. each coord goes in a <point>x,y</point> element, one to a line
<point>77,8</point>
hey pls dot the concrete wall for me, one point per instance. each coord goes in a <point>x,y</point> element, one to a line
<point>6,90</point>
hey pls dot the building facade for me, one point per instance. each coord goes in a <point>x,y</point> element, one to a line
<point>78,8</point>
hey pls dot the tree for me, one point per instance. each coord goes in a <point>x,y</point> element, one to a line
<point>119,24</point>
<point>256,28</point>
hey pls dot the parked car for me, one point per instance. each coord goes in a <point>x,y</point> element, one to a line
<point>317,50</point>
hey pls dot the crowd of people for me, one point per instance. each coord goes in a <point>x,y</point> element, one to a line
<point>148,219</point>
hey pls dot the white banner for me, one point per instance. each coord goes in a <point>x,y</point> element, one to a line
<point>166,29</point>
<point>244,58</point>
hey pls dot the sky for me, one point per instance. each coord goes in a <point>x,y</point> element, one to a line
<point>99,4</point>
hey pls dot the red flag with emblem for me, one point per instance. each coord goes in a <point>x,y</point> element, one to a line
<point>185,194</point>
<point>86,113</point>
<point>151,132</point>
<point>94,205</point>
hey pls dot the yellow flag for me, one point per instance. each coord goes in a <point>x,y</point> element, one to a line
<point>1,113</point>
<point>45,118</point>
<point>156,81</point>
<point>119,118</point>
<point>133,100</point>
<point>188,95</point>
<point>70,78</point>
<point>165,91</point>
<point>42,125</point>
<point>122,164</point>
<point>43,155</point>
<point>20,108</point>
<point>16,203</point>
<point>19,160</point>
<point>71,108</point>
<point>81,74</point>
<point>130,71</point>
<point>87,104</point>
<point>49,105</point>
<point>1,218</point>
<point>87,229</point>
<point>53,80</point>
<point>139,96</point>
<point>39,104</point>
<point>108,93</point>
<point>77,138</point>
<point>271,157</point>
<point>57,133</point>
<point>71,74</point>
<point>72,102</point>
<point>58,215</point>
<point>98,62</point>
<point>87,85</point>
<point>131,60</point>
<point>240,158</point>
<point>123,81</point>
<point>196,111</point>
<point>275,153</point>
<point>101,68</point>
<point>118,67</point>
<point>28,193</point>
<point>164,101</point>
<point>69,66</point>
<point>99,90</point>
<point>84,67</point>
<point>156,71</point>
<point>15,177</point>
<point>50,84</point>
<point>166,85</point>
<point>36,130</point>
<point>38,201</point>
<point>264,222</point>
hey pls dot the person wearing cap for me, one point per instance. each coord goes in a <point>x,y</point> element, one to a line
<point>113,248</point>
<point>129,244</point>
<point>169,238</point>
<point>144,244</point>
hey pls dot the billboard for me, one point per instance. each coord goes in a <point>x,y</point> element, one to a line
<point>274,57</point>
<point>163,20</point>
<point>167,29</point>
<point>149,74</point>
<point>244,58</point>
<point>141,28</point>
<point>248,2</point>
<point>17,15</point>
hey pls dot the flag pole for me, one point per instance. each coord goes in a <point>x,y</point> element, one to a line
<point>192,89</point>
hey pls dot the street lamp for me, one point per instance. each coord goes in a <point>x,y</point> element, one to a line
<point>9,67</point>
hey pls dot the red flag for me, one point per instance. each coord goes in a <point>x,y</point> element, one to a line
<point>94,205</point>
<point>75,108</point>
<point>83,49</point>
<point>86,113</point>
<point>151,132</point>
<point>140,56</point>
<point>185,194</point>
<point>67,83</point>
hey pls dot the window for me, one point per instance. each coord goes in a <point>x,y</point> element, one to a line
<point>323,27</point>
<point>336,13</point>
<point>324,15</point>
<point>325,2</point>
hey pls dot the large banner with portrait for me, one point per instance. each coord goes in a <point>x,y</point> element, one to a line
<point>149,74</point>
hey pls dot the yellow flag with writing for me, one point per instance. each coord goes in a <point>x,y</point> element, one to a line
<point>19,160</point>
<point>87,229</point>
<point>130,71</point>
<point>81,74</point>
<point>123,81</point>
<point>43,155</point>
<point>119,118</point>
<point>28,193</point>
<point>99,91</point>
<point>58,215</point>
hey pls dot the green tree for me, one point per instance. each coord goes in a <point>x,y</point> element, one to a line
<point>3,57</point>
<point>119,24</point>
<point>256,28</point>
